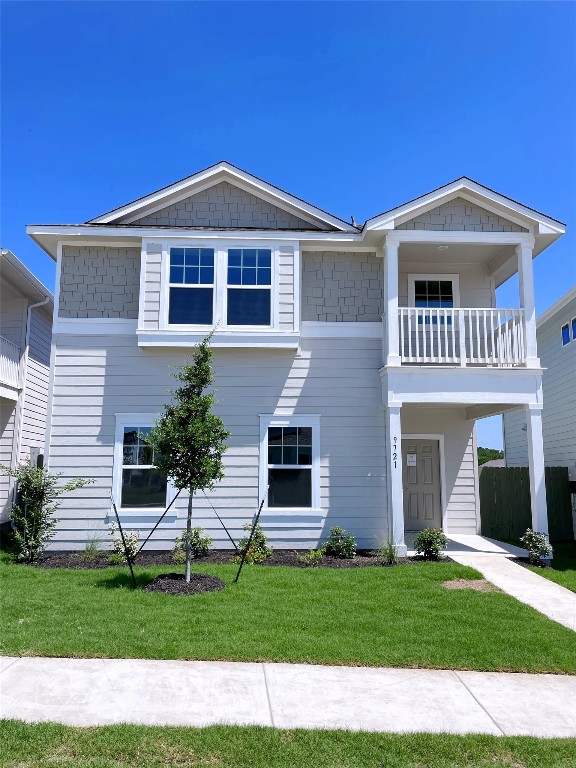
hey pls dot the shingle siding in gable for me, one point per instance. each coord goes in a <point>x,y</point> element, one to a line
<point>224,205</point>
<point>99,282</point>
<point>339,286</point>
<point>461,215</point>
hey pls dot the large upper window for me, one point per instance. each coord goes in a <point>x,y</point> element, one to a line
<point>142,485</point>
<point>289,465</point>
<point>249,286</point>
<point>191,286</point>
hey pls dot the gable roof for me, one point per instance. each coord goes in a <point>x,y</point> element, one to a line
<point>214,174</point>
<point>558,306</point>
<point>16,272</point>
<point>509,208</point>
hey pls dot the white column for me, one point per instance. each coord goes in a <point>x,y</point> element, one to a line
<point>526,275</point>
<point>391,300</point>
<point>536,468</point>
<point>394,479</point>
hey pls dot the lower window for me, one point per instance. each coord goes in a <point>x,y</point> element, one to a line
<point>139,484</point>
<point>289,465</point>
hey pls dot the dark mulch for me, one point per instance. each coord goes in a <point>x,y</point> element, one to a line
<point>288,557</point>
<point>526,563</point>
<point>174,584</point>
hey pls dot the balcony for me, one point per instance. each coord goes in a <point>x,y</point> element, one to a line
<point>9,368</point>
<point>462,337</point>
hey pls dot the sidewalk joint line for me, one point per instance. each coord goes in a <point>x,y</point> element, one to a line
<point>268,695</point>
<point>14,661</point>
<point>479,703</point>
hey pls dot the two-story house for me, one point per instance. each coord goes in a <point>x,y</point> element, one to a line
<point>25,337</point>
<point>351,362</point>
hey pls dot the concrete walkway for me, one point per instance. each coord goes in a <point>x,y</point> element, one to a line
<point>554,601</point>
<point>85,692</point>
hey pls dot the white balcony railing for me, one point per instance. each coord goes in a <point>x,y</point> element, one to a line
<point>481,337</point>
<point>9,363</point>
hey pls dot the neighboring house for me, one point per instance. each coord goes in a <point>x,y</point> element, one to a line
<point>25,337</point>
<point>556,335</point>
<point>347,358</point>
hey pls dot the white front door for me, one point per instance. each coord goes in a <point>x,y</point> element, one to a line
<point>421,484</point>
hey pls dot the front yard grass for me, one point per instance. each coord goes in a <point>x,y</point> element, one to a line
<point>563,569</point>
<point>401,616</point>
<point>129,746</point>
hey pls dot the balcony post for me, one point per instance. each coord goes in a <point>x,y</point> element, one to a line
<point>536,468</point>
<point>391,246</point>
<point>526,275</point>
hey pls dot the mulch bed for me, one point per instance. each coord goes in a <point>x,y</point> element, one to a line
<point>527,564</point>
<point>76,560</point>
<point>174,584</point>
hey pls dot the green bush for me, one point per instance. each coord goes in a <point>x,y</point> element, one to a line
<point>340,544</point>
<point>386,553</point>
<point>199,545</point>
<point>118,555</point>
<point>312,558</point>
<point>32,514</point>
<point>258,551</point>
<point>537,545</point>
<point>430,542</point>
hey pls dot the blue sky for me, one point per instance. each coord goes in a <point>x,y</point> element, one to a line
<point>356,107</point>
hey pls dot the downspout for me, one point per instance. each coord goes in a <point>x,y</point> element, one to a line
<point>23,369</point>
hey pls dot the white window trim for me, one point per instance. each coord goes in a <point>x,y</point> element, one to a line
<point>269,420</point>
<point>130,420</point>
<point>220,287</point>
<point>454,279</point>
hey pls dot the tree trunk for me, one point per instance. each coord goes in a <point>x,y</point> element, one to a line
<point>188,534</point>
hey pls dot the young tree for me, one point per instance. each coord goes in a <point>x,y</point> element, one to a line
<point>188,439</point>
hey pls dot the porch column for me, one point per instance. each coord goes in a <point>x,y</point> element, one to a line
<point>536,468</point>
<point>391,300</point>
<point>526,275</point>
<point>394,479</point>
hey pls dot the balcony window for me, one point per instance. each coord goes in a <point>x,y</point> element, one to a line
<point>565,335</point>
<point>191,286</point>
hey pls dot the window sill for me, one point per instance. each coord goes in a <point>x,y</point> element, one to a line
<point>294,511</point>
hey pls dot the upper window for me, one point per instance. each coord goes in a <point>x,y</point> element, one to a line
<point>191,286</point>
<point>565,334</point>
<point>249,286</point>
<point>142,485</point>
<point>289,465</point>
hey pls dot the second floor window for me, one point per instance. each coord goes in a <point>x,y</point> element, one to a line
<point>191,286</point>
<point>249,286</point>
<point>433,294</point>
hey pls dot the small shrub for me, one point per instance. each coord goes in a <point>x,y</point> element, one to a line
<point>312,558</point>
<point>430,542</point>
<point>386,553</point>
<point>32,514</point>
<point>92,549</point>
<point>536,544</point>
<point>199,546</point>
<point>118,555</point>
<point>340,544</point>
<point>258,550</point>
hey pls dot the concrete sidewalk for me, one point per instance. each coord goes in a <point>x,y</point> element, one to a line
<point>554,601</point>
<point>86,692</point>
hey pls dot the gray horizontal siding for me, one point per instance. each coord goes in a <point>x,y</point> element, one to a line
<point>35,400</point>
<point>96,377</point>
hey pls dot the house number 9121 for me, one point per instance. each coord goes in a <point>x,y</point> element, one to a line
<point>395,452</point>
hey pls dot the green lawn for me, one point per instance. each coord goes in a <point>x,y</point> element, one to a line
<point>563,569</point>
<point>399,616</point>
<point>127,746</point>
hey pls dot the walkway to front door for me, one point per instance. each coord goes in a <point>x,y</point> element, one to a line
<point>421,484</point>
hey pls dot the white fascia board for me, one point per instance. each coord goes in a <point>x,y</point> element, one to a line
<point>89,234</point>
<point>249,340</point>
<point>461,386</point>
<point>556,307</point>
<point>385,220</point>
<point>187,186</point>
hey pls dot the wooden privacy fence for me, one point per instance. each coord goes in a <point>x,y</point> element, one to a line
<point>505,503</point>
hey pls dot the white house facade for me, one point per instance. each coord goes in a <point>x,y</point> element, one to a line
<point>351,362</point>
<point>25,340</point>
<point>556,335</point>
